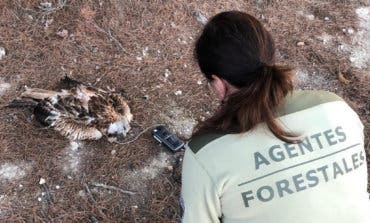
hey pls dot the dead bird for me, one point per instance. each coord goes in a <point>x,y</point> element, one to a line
<point>79,111</point>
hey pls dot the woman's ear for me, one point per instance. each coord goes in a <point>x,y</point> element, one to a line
<point>219,87</point>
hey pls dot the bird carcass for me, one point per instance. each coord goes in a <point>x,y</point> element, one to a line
<point>81,112</point>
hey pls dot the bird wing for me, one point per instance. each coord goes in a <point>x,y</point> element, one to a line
<point>38,94</point>
<point>120,104</point>
<point>76,130</point>
<point>68,117</point>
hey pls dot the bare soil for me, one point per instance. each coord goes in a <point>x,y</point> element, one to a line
<point>146,49</point>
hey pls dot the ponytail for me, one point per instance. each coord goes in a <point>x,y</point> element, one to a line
<point>254,104</point>
<point>237,48</point>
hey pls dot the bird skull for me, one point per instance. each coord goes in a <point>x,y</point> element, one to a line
<point>119,129</point>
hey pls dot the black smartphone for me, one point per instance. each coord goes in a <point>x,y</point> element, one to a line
<point>165,137</point>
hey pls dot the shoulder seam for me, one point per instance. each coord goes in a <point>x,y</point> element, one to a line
<point>198,142</point>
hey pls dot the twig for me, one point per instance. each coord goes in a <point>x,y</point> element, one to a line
<point>109,34</point>
<point>113,188</point>
<point>138,135</point>
<point>341,77</point>
<point>89,193</point>
<point>92,200</point>
<point>93,219</point>
<point>48,196</point>
<point>48,11</point>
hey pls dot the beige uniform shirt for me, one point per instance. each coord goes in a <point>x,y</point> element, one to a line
<point>254,177</point>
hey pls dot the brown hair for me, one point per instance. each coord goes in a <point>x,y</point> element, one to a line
<point>237,48</point>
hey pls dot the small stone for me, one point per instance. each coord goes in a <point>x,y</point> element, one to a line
<point>301,44</point>
<point>2,52</point>
<point>81,193</point>
<point>63,33</point>
<point>75,60</point>
<point>57,187</point>
<point>326,18</point>
<point>181,40</point>
<point>310,17</point>
<point>185,66</point>
<point>199,82</point>
<point>139,58</point>
<point>97,67</point>
<point>48,22</point>
<point>42,181</point>
<point>113,152</point>
<point>43,193</point>
<point>350,31</point>
<point>145,51</point>
<point>179,92</point>
<point>170,168</point>
<point>20,185</point>
<point>173,25</point>
<point>46,4</point>
<point>167,73</point>
<point>200,18</point>
<point>39,199</point>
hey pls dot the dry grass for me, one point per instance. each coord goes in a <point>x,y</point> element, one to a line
<point>105,40</point>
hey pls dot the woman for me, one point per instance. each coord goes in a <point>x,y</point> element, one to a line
<point>270,154</point>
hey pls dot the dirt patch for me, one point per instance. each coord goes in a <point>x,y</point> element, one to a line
<point>137,178</point>
<point>157,165</point>
<point>179,120</point>
<point>10,171</point>
<point>4,87</point>
<point>145,49</point>
<point>72,157</point>
<point>360,55</point>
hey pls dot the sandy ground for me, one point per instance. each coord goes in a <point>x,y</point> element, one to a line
<point>146,49</point>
